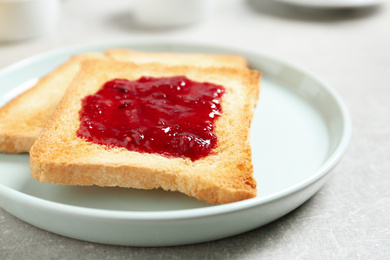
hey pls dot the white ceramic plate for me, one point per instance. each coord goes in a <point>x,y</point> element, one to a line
<point>334,3</point>
<point>300,131</point>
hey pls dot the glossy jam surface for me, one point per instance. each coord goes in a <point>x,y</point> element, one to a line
<point>171,116</point>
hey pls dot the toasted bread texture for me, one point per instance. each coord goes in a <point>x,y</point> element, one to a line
<point>177,59</point>
<point>59,156</point>
<point>22,119</point>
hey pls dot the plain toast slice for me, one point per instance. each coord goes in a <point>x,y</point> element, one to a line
<point>22,118</point>
<point>177,59</point>
<point>59,156</point>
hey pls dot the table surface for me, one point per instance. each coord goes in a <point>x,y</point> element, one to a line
<point>349,217</point>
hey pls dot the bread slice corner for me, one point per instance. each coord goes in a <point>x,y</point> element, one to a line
<point>22,118</point>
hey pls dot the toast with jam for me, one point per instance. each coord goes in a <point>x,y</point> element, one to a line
<point>149,126</point>
<point>22,119</point>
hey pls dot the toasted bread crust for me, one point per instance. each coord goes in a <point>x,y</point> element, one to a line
<point>22,118</point>
<point>176,59</point>
<point>59,156</point>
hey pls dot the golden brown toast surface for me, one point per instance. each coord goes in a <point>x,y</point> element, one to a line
<point>59,156</point>
<point>177,59</point>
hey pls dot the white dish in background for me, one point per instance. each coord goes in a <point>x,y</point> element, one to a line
<point>168,13</point>
<point>23,19</point>
<point>334,3</point>
<point>300,131</point>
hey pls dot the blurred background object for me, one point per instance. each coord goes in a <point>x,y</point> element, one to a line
<point>23,19</point>
<point>157,13</point>
<point>333,3</point>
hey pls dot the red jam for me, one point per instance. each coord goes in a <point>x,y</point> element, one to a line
<point>171,116</point>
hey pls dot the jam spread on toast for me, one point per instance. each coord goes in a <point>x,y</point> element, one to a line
<point>171,116</point>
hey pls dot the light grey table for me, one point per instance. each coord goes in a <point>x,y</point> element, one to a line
<point>349,217</point>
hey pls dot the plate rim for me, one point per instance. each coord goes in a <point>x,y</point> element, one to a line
<point>181,214</point>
